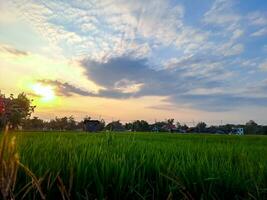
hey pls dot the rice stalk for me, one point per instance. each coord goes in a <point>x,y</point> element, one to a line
<point>8,166</point>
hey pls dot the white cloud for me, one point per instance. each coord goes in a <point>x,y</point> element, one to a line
<point>103,27</point>
<point>127,86</point>
<point>221,14</point>
<point>257,18</point>
<point>234,50</point>
<point>190,39</point>
<point>261,32</point>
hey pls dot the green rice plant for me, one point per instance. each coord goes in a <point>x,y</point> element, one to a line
<point>9,163</point>
<point>145,165</point>
<point>9,166</point>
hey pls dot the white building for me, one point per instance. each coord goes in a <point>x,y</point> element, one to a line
<point>237,131</point>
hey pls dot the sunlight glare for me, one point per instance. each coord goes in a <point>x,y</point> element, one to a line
<point>46,92</point>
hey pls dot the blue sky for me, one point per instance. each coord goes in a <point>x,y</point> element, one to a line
<point>205,56</point>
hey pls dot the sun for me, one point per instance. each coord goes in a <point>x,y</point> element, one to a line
<point>46,92</point>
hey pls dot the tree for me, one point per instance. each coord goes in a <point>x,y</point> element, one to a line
<point>201,126</point>
<point>102,125</point>
<point>170,121</point>
<point>158,126</point>
<point>178,125</point>
<point>64,123</point>
<point>71,123</point>
<point>33,124</point>
<point>141,125</point>
<point>16,109</point>
<point>251,123</point>
<point>114,126</point>
<point>129,126</point>
<point>227,128</point>
<point>264,130</point>
<point>184,127</point>
<point>252,127</point>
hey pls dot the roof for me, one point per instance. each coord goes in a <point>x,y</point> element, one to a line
<point>91,121</point>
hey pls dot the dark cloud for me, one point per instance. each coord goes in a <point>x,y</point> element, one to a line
<point>172,83</point>
<point>121,73</point>
<point>218,102</point>
<point>155,82</point>
<point>169,107</point>
<point>65,89</point>
<point>14,51</point>
<point>197,59</point>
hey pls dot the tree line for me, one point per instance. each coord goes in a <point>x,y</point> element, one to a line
<point>70,124</point>
<point>16,111</point>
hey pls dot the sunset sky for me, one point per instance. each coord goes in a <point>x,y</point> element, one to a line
<point>129,59</point>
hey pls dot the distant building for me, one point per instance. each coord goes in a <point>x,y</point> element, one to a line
<point>237,131</point>
<point>91,125</point>
<point>170,128</point>
<point>155,129</point>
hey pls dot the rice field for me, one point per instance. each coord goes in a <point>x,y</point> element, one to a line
<point>144,165</point>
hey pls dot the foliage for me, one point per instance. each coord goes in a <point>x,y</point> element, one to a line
<point>201,126</point>
<point>251,123</point>
<point>17,109</point>
<point>252,127</point>
<point>165,126</point>
<point>178,125</point>
<point>170,121</point>
<point>33,124</point>
<point>129,126</point>
<point>140,125</point>
<point>158,126</point>
<point>69,123</point>
<point>64,123</point>
<point>114,126</point>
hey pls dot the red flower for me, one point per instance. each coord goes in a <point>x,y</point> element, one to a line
<point>2,105</point>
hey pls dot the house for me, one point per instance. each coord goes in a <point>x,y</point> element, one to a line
<point>155,129</point>
<point>170,128</point>
<point>91,125</point>
<point>237,131</point>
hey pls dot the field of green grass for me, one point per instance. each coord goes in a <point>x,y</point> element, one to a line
<point>145,165</point>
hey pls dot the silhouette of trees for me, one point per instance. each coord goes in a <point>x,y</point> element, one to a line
<point>140,125</point>
<point>33,124</point>
<point>16,109</point>
<point>252,127</point>
<point>114,126</point>
<point>201,126</point>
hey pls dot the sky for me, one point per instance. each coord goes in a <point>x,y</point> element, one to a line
<point>129,59</point>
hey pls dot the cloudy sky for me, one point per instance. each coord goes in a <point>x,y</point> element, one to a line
<point>130,59</point>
